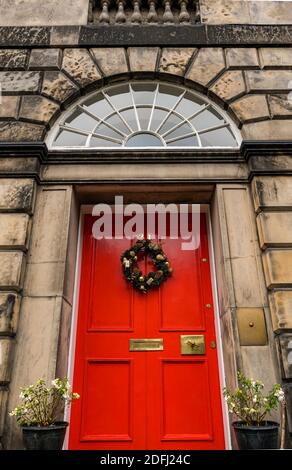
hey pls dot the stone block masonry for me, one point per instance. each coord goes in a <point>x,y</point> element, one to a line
<point>16,208</point>
<point>38,84</point>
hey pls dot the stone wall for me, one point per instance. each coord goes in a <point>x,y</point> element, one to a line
<point>79,12</point>
<point>253,84</point>
<point>16,209</point>
<point>272,198</point>
<point>246,11</point>
<point>241,287</point>
<point>42,344</point>
<point>42,73</point>
<point>43,12</point>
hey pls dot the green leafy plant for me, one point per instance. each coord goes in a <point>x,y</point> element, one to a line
<point>41,405</point>
<point>249,402</point>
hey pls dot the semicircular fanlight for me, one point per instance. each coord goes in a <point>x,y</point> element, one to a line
<point>144,115</point>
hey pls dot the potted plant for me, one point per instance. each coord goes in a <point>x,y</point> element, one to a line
<point>39,412</point>
<point>252,406</point>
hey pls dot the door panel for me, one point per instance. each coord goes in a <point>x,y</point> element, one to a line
<point>153,399</point>
<point>185,387</point>
<point>107,413</point>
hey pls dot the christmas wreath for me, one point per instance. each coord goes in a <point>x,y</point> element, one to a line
<point>129,260</point>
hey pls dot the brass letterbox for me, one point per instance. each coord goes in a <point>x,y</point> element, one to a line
<point>146,344</point>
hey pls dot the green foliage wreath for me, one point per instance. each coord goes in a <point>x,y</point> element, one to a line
<point>129,260</point>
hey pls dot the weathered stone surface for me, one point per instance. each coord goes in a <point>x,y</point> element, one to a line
<point>46,260</point>
<point>280,105</point>
<point>131,171</point>
<point>230,85</point>
<point>3,407</point>
<point>9,312</point>
<point>229,347</point>
<point>285,343</point>
<point>247,35</point>
<point>17,82</point>
<point>269,80</point>
<point>64,35</point>
<point>24,36</point>
<point>13,59</point>
<point>43,12</point>
<point>278,163</point>
<point>251,107</point>
<point>142,59</point>
<point>224,11</point>
<point>242,57</point>
<point>111,61</point>
<point>270,12</point>
<point>49,59</point>
<point>13,230</point>
<point>242,11</point>
<point>44,279</point>
<point>278,268</point>
<point>189,35</point>
<point>258,361</point>
<point>9,106</point>
<point>268,130</point>
<point>275,229</point>
<point>64,340</point>
<point>174,60</point>
<point>37,108</point>
<point>47,241</point>
<point>20,132</point>
<point>240,247</point>
<point>80,66</point>
<point>276,56</point>
<point>36,349</point>
<point>22,165</point>
<point>16,194</point>
<point>281,310</point>
<point>11,269</point>
<point>272,192</point>
<point>57,86</point>
<point>207,65</point>
<point>6,345</point>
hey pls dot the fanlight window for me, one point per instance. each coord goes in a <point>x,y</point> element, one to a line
<point>144,115</point>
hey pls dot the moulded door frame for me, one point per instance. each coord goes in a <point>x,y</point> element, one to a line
<point>205,208</point>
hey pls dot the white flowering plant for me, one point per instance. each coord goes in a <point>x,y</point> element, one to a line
<point>42,405</point>
<point>249,402</point>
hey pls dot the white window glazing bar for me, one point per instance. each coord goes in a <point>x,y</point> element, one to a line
<point>117,111</point>
<point>134,107</point>
<point>171,110</point>
<point>153,108</point>
<point>102,120</point>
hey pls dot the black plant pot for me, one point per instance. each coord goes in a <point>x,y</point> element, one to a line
<point>265,436</point>
<point>44,437</point>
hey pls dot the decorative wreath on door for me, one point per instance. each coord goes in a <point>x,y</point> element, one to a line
<point>132,273</point>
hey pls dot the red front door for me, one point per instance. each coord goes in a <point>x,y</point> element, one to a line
<point>150,399</point>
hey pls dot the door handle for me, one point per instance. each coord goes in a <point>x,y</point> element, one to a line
<point>192,344</point>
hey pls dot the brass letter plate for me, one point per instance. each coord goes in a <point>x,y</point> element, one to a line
<point>192,344</point>
<point>146,344</point>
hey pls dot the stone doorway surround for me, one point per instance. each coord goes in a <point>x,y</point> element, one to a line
<point>42,341</point>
